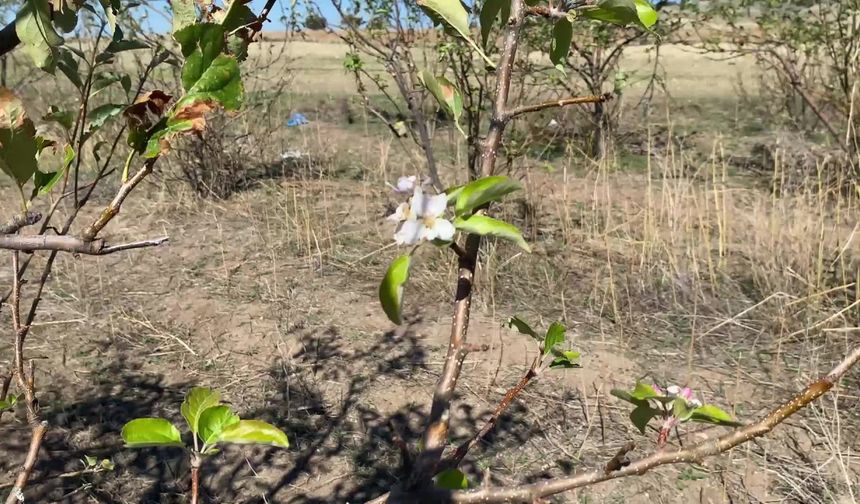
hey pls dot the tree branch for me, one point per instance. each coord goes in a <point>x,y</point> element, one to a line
<point>73,244</point>
<point>20,221</point>
<point>435,436</point>
<point>16,496</point>
<point>462,450</point>
<point>114,207</point>
<point>577,100</point>
<point>616,468</point>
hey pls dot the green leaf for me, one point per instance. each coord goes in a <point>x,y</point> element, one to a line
<point>565,359</point>
<point>484,190</point>
<point>391,288</point>
<point>198,400</point>
<point>237,15</point>
<point>67,64</point>
<point>446,93</point>
<point>625,396</point>
<point>184,14</point>
<point>111,8</point>
<point>36,32</point>
<point>66,17</point>
<point>8,403</point>
<point>562,35</point>
<point>641,415</point>
<point>220,83</point>
<point>647,14</point>
<point>254,432</point>
<point>680,409</point>
<point>159,142</point>
<point>523,327</point>
<point>18,146</point>
<point>99,116</point>
<point>709,413</point>
<point>453,14</point>
<point>208,75</point>
<point>44,182</point>
<point>142,432</point>
<point>118,46</point>
<point>489,12</point>
<point>488,226</point>
<point>643,391</point>
<point>64,118</point>
<point>623,12</point>
<point>554,336</point>
<point>452,479</point>
<point>213,420</point>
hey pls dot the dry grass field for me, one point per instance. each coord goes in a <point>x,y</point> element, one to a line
<point>667,262</point>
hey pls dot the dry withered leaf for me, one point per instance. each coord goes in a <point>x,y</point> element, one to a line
<point>196,113</point>
<point>147,109</point>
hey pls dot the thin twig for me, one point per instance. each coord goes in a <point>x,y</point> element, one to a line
<point>114,207</point>
<point>576,100</point>
<point>464,448</point>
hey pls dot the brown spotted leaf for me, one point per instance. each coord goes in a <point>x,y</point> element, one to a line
<point>18,144</point>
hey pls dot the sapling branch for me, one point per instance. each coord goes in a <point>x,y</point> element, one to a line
<point>195,477</point>
<point>435,435</point>
<point>512,393</point>
<point>71,244</point>
<point>16,496</point>
<point>20,221</point>
<point>114,207</point>
<point>618,468</point>
<point>577,100</point>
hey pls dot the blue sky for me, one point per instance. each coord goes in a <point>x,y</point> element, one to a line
<point>160,22</point>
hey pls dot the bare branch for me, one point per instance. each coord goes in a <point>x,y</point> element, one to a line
<point>16,496</point>
<point>457,457</point>
<point>73,244</point>
<point>257,25</point>
<point>435,436</point>
<point>577,100</point>
<point>20,221</point>
<point>114,207</point>
<point>692,454</point>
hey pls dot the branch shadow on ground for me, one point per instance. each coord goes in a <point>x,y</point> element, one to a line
<point>345,449</point>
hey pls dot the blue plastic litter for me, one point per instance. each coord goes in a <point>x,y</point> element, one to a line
<point>297,120</point>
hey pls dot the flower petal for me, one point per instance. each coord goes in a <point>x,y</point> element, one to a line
<point>400,214</point>
<point>409,232</point>
<point>687,393</point>
<point>444,230</point>
<point>417,202</point>
<point>406,185</point>
<point>435,205</point>
<point>673,390</point>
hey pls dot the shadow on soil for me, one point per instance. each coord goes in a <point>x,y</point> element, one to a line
<point>343,450</point>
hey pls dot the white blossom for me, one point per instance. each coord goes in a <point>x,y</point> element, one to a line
<point>421,219</point>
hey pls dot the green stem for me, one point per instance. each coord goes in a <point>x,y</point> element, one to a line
<point>127,166</point>
<point>23,199</point>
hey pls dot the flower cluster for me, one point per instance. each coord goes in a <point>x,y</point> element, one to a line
<point>685,393</point>
<point>421,218</point>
